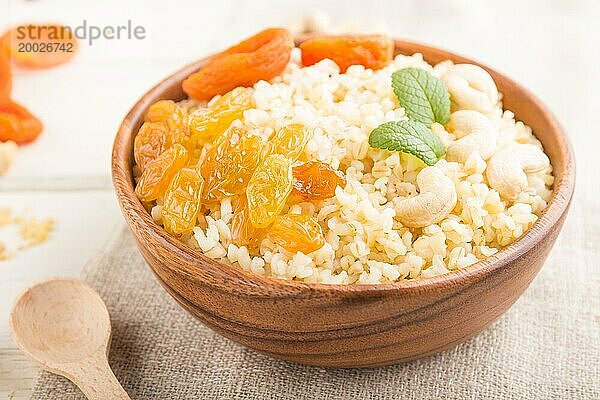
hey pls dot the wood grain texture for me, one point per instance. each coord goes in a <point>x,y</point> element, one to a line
<point>359,325</point>
<point>63,325</point>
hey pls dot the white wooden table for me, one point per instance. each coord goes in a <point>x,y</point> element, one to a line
<point>548,45</point>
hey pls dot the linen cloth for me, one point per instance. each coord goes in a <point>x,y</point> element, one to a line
<point>546,347</point>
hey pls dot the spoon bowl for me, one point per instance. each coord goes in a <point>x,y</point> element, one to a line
<point>63,325</point>
<point>59,322</point>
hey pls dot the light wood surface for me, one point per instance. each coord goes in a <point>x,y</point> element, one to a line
<point>63,325</point>
<point>543,44</point>
<point>360,325</point>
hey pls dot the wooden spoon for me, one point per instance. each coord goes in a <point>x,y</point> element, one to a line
<point>63,325</point>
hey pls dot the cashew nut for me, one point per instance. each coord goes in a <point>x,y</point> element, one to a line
<point>8,151</point>
<point>475,132</point>
<point>507,169</point>
<point>471,87</point>
<point>436,199</point>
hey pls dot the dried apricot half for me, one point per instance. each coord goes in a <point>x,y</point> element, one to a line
<point>5,71</point>
<point>17,123</point>
<point>372,51</point>
<point>41,45</point>
<point>260,57</point>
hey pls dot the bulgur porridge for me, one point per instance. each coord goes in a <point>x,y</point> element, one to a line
<point>341,164</point>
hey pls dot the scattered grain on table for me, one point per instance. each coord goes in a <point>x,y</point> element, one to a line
<point>32,231</point>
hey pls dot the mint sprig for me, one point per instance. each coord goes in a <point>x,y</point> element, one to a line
<point>425,100</point>
<point>408,137</point>
<point>424,97</point>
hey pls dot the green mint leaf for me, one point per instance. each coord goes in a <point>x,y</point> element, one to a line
<point>408,137</point>
<point>423,96</point>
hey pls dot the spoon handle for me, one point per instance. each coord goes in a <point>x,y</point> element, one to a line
<point>97,381</point>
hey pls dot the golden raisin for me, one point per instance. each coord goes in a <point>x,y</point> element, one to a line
<point>372,51</point>
<point>316,180</point>
<point>297,232</point>
<point>157,176</point>
<point>268,189</point>
<point>182,201</point>
<point>260,57</point>
<point>242,231</point>
<point>290,141</point>
<point>208,123</point>
<point>229,165</point>
<point>150,142</point>
<point>168,112</point>
<point>216,151</point>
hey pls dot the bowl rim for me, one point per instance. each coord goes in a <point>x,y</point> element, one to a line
<point>136,215</point>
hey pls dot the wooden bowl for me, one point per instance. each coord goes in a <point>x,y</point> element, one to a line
<point>359,325</point>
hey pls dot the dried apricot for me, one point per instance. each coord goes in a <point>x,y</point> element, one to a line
<point>45,45</point>
<point>316,180</point>
<point>5,72</point>
<point>208,123</point>
<point>372,51</point>
<point>229,165</point>
<point>242,231</point>
<point>156,178</point>
<point>17,123</point>
<point>150,142</point>
<point>182,201</point>
<point>260,57</point>
<point>268,189</point>
<point>290,141</point>
<point>297,232</point>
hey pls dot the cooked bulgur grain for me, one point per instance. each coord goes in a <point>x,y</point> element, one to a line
<point>365,240</point>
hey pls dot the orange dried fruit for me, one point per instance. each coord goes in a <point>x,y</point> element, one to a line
<point>260,57</point>
<point>297,232</point>
<point>167,112</point>
<point>243,233</point>
<point>17,123</point>
<point>290,141</point>
<point>316,180</point>
<point>41,45</point>
<point>5,72</point>
<point>174,118</point>
<point>181,202</point>
<point>268,190</point>
<point>228,166</point>
<point>216,151</point>
<point>208,123</point>
<point>372,51</point>
<point>156,178</point>
<point>150,142</point>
